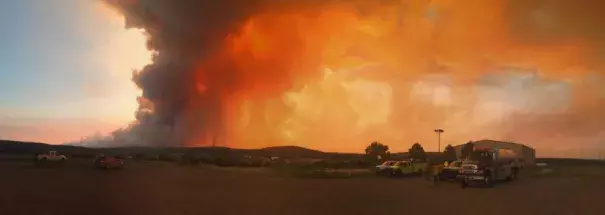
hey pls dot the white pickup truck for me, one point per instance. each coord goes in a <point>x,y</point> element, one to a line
<point>50,156</point>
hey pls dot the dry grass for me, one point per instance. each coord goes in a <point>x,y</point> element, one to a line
<point>567,171</point>
<point>166,188</point>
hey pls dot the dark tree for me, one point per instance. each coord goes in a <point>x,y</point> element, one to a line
<point>376,149</point>
<point>467,149</point>
<point>449,153</point>
<point>417,152</point>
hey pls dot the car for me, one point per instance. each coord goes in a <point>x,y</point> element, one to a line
<point>384,168</point>
<point>450,172</point>
<point>108,162</point>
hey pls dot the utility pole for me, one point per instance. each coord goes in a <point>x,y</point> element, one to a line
<point>439,131</point>
<point>213,140</point>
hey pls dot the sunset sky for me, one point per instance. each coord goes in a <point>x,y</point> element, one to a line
<point>342,79</point>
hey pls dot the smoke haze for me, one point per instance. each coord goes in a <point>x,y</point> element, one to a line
<point>335,75</point>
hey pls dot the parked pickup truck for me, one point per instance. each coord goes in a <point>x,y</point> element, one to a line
<point>50,156</point>
<point>407,167</point>
<point>450,172</point>
<point>384,168</point>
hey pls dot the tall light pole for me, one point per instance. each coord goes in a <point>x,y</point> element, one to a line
<point>439,131</point>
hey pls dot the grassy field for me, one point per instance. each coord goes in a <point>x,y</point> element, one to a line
<point>166,188</point>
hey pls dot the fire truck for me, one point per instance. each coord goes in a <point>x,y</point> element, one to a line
<point>486,165</point>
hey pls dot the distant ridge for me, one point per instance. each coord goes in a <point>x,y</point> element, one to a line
<point>292,151</point>
<point>17,147</point>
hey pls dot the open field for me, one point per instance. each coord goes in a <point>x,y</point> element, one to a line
<point>165,188</point>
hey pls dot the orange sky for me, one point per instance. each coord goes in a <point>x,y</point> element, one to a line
<point>336,76</point>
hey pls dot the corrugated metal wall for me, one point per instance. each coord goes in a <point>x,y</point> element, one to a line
<point>528,154</point>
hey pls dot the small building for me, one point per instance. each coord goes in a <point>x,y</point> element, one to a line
<point>527,153</point>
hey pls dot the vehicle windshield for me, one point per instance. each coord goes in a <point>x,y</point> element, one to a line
<point>387,163</point>
<point>481,156</point>
<point>400,163</point>
<point>455,164</point>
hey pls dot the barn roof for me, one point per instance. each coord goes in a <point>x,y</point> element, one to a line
<point>487,141</point>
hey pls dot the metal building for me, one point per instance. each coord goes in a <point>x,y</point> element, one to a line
<point>527,153</point>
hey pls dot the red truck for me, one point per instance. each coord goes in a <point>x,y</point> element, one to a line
<point>108,162</point>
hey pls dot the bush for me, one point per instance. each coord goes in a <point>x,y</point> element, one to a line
<point>313,171</point>
<point>84,156</point>
<point>224,162</point>
<point>139,157</point>
<point>341,164</point>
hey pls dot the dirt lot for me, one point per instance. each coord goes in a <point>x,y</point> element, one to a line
<point>164,188</point>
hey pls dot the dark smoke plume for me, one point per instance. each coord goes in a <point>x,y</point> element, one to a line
<point>184,34</point>
<point>181,33</point>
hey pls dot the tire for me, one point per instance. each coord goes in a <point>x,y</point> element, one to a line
<point>401,173</point>
<point>488,181</point>
<point>42,162</point>
<point>514,175</point>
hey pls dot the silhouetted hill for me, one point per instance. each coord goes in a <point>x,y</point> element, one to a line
<point>17,147</point>
<point>291,151</point>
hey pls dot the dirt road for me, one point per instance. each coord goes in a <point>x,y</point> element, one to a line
<point>162,188</point>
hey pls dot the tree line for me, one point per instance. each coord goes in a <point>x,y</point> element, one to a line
<point>379,152</point>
